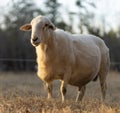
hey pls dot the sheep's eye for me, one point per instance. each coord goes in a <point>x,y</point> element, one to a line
<point>46,25</point>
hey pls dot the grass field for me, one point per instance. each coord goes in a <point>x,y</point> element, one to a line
<point>24,93</point>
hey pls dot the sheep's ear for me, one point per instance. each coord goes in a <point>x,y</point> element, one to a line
<point>26,27</point>
<point>50,26</point>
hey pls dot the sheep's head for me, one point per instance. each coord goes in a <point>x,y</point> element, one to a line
<point>40,26</point>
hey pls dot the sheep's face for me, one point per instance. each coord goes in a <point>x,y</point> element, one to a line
<point>39,26</point>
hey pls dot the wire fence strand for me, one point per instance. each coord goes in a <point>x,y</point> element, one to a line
<point>33,60</point>
<point>17,60</point>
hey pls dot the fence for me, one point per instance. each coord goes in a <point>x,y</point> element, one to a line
<point>16,60</point>
<point>114,65</point>
<point>17,64</point>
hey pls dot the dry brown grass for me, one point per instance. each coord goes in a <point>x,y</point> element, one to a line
<point>24,93</point>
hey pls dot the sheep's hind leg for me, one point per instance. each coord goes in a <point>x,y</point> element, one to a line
<point>81,92</point>
<point>49,89</point>
<point>103,85</point>
<point>103,75</point>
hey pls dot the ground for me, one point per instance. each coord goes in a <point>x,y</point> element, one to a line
<point>25,93</point>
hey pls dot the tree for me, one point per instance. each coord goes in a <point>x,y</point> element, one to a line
<point>84,14</point>
<point>52,11</point>
<point>17,44</point>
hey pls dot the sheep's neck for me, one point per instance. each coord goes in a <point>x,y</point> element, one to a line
<point>46,53</point>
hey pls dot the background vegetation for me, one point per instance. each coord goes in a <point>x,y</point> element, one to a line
<point>16,52</point>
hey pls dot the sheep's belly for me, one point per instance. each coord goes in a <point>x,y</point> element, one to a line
<point>81,79</point>
<point>79,82</point>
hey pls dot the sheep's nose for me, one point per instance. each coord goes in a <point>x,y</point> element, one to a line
<point>35,39</point>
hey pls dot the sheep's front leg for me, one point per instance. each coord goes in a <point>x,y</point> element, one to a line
<point>49,89</point>
<point>63,90</point>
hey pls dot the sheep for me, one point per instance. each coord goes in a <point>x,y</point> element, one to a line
<point>72,58</point>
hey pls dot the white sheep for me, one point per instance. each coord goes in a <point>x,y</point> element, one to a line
<point>74,59</point>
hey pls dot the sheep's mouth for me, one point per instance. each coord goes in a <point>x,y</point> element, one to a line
<point>35,43</point>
